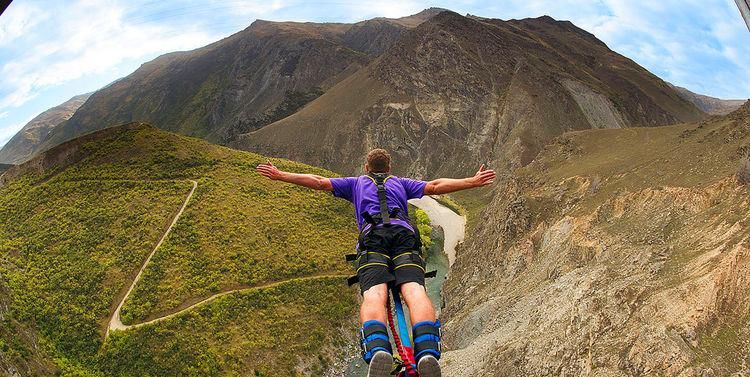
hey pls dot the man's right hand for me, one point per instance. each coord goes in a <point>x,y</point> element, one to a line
<point>269,170</point>
<point>483,177</point>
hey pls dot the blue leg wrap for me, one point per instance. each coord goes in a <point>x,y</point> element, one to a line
<point>427,339</point>
<point>374,338</point>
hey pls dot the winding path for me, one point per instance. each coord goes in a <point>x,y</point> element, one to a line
<point>115,321</point>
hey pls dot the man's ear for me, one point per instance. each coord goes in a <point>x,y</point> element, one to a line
<point>367,168</point>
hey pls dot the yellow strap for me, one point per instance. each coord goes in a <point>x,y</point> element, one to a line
<point>409,264</point>
<point>372,264</point>
<point>375,252</point>
<point>376,182</point>
<point>401,255</point>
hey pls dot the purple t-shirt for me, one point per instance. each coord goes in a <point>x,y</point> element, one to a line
<point>363,193</point>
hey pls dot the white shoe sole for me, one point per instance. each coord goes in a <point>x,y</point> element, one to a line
<point>380,365</point>
<point>429,367</point>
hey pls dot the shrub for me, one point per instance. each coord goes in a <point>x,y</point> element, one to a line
<point>743,172</point>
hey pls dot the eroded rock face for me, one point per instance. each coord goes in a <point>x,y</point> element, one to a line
<point>618,274</point>
<point>471,91</point>
<point>633,287</point>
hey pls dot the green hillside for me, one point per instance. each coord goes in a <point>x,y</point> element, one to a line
<point>74,234</point>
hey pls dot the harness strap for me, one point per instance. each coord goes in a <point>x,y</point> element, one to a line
<point>409,258</point>
<point>379,179</point>
<point>373,338</point>
<point>372,258</point>
<point>427,336</point>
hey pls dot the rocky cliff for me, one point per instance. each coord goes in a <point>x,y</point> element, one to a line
<point>615,253</point>
<point>241,83</point>
<point>456,91</point>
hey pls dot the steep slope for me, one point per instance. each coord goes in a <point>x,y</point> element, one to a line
<point>710,105</point>
<point>616,252</point>
<point>28,140</point>
<point>78,221</point>
<point>240,83</point>
<point>456,91</point>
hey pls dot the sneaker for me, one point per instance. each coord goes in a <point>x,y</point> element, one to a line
<point>380,365</point>
<point>428,366</point>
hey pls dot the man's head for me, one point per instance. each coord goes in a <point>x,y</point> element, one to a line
<point>378,161</point>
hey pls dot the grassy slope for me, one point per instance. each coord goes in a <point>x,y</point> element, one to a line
<point>71,240</point>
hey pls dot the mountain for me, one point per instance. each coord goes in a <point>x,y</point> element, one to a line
<point>616,252</point>
<point>27,142</point>
<point>4,167</point>
<point>458,91</point>
<point>241,83</point>
<point>710,105</point>
<point>247,261</point>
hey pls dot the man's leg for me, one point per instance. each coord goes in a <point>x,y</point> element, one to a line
<point>425,330</point>
<point>420,305</point>
<point>376,346</point>
<point>373,304</point>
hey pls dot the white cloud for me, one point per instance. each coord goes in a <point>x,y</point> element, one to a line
<point>91,38</point>
<point>18,19</point>
<point>4,114</point>
<point>360,10</point>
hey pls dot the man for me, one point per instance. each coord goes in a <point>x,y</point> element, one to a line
<point>388,252</point>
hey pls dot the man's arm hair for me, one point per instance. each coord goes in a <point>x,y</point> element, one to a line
<point>447,185</point>
<point>307,180</point>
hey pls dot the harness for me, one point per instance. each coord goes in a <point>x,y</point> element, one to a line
<point>372,334</point>
<point>366,258</point>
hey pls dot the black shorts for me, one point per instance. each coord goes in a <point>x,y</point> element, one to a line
<point>401,261</point>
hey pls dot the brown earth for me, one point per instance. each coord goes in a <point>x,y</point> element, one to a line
<point>458,91</point>
<point>615,253</point>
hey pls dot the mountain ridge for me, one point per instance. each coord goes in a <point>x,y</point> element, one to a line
<point>711,105</point>
<point>237,84</point>
<point>486,90</point>
<point>26,142</point>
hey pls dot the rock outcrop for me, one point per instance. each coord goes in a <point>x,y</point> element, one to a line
<point>457,91</point>
<point>615,253</point>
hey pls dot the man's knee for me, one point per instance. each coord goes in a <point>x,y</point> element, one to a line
<point>375,295</point>
<point>411,291</point>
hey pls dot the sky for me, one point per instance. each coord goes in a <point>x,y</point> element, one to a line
<point>53,50</point>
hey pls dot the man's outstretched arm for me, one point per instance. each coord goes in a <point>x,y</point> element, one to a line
<point>307,180</point>
<point>448,185</point>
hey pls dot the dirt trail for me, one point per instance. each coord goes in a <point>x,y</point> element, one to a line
<point>220,294</point>
<point>453,224</point>
<point>115,322</point>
